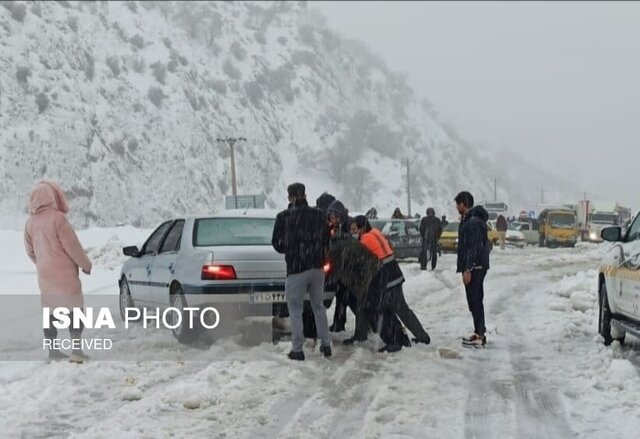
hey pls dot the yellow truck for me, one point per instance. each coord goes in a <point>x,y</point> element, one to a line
<point>558,227</point>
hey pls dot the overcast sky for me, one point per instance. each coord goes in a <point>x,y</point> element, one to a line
<point>558,81</point>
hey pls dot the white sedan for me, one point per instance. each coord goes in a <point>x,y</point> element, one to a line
<point>223,258</point>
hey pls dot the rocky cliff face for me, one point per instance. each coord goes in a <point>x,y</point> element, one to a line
<point>122,102</point>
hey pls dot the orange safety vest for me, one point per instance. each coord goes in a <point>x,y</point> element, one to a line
<point>377,244</point>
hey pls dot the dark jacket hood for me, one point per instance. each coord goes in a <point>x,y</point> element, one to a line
<point>324,200</point>
<point>479,212</point>
<point>337,208</point>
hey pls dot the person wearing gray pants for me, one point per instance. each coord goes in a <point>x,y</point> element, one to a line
<point>301,234</point>
<point>296,287</point>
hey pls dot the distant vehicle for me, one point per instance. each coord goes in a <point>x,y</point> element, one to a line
<point>514,237</point>
<point>403,235</point>
<point>495,208</point>
<point>449,238</point>
<point>598,221</point>
<point>557,227</point>
<point>529,229</point>
<point>619,284</point>
<point>224,258</point>
<point>595,215</point>
<point>492,231</point>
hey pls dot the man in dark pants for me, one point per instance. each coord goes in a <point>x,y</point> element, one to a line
<point>389,283</point>
<point>338,217</point>
<point>430,231</point>
<point>473,262</point>
<point>300,233</point>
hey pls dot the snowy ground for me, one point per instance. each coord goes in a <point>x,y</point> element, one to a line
<point>545,373</point>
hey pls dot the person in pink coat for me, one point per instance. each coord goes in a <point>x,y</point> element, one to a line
<point>53,246</point>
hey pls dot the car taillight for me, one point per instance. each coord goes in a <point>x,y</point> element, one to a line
<point>326,268</point>
<point>218,272</point>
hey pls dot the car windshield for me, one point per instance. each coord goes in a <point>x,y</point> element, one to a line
<point>232,231</point>
<point>451,227</point>
<point>562,221</point>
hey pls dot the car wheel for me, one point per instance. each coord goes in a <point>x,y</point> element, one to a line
<point>183,333</point>
<point>541,241</point>
<point>604,320</point>
<point>125,301</point>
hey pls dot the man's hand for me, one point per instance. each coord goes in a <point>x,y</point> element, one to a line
<point>466,277</point>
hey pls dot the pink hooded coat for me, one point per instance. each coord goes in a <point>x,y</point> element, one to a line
<point>54,247</point>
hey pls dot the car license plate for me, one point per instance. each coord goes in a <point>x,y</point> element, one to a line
<point>268,297</point>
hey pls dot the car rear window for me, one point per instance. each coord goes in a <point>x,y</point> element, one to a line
<point>232,231</point>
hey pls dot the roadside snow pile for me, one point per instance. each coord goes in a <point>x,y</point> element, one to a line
<point>109,255</point>
<point>582,282</point>
<point>582,301</point>
<point>621,371</point>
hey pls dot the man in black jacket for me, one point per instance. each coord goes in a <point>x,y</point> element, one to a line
<point>473,262</point>
<point>339,224</point>
<point>300,233</point>
<point>430,231</point>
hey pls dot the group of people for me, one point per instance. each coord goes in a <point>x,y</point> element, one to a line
<point>364,272</point>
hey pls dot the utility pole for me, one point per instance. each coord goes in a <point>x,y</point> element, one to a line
<point>541,195</point>
<point>408,190</point>
<point>495,189</point>
<point>231,142</point>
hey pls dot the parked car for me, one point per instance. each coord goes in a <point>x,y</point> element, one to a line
<point>403,235</point>
<point>224,258</point>
<point>514,238</point>
<point>619,284</point>
<point>449,238</point>
<point>492,231</point>
<point>529,229</point>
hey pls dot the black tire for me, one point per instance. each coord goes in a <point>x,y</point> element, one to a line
<point>541,241</point>
<point>604,318</point>
<point>125,300</point>
<point>183,333</point>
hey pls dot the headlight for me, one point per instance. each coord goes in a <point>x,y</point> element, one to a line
<point>456,240</point>
<point>593,235</point>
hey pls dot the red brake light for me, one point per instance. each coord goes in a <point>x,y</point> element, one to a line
<point>218,272</point>
<point>326,268</point>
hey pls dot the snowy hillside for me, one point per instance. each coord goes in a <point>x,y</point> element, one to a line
<point>122,102</point>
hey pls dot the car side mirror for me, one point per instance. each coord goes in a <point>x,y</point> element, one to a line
<point>611,234</point>
<point>131,251</point>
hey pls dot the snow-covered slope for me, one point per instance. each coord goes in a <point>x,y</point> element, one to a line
<point>122,102</point>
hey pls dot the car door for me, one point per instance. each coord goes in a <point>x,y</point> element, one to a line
<point>629,271</point>
<point>140,276</point>
<point>164,263</point>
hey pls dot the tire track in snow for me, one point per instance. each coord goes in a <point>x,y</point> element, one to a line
<point>520,404</point>
<point>345,394</point>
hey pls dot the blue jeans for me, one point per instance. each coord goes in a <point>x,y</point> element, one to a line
<point>296,288</point>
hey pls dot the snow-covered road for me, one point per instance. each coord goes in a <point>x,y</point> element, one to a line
<point>545,373</point>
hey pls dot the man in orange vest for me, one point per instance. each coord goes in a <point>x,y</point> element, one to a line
<point>390,280</point>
